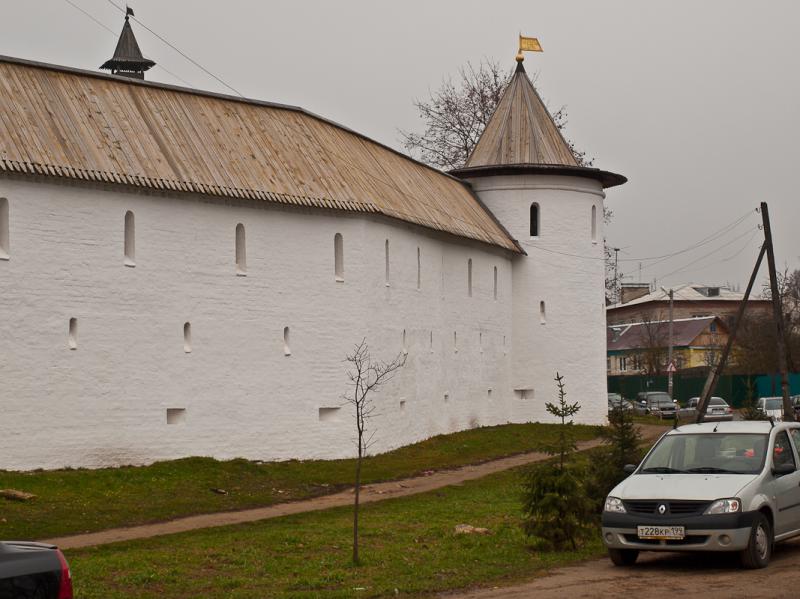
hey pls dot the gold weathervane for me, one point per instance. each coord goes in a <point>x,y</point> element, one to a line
<point>527,44</point>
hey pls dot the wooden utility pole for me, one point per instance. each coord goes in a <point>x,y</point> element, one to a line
<point>670,365</point>
<point>777,314</point>
<point>713,375</point>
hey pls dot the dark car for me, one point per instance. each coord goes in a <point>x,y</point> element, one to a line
<point>616,401</point>
<point>33,571</point>
<point>657,403</point>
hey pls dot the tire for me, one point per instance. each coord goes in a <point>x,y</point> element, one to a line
<point>759,548</point>
<point>623,557</point>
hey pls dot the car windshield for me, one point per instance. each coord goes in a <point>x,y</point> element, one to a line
<point>662,402</point>
<point>772,404</point>
<point>717,401</point>
<point>707,453</point>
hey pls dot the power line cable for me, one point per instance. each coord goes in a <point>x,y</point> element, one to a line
<point>705,241</point>
<point>712,252</point>
<point>187,57</point>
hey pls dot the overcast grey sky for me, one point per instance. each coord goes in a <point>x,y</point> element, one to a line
<point>695,102</point>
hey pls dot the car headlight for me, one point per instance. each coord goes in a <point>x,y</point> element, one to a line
<point>725,506</point>
<point>615,505</point>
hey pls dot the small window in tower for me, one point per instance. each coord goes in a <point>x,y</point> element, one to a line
<point>469,277</point>
<point>455,341</point>
<point>594,224</point>
<point>542,313</point>
<point>431,342</point>
<point>5,249</point>
<point>480,341</point>
<point>495,282</point>
<point>130,239</point>
<point>287,351</point>
<point>241,251</point>
<point>534,220</point>
<point>187,337</point>
<point>338,257</point>
<point>73,333</point>
<point>405,347</point>
<point>419,270</point>
<point>386,255</point>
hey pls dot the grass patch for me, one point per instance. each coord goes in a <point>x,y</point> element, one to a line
<point>74,501</point>
<point>408,544</point>
<point>650,419</point>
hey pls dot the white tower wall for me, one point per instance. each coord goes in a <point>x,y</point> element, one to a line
<point>564,269</point>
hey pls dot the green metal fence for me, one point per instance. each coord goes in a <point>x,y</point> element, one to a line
<point>732,387</point>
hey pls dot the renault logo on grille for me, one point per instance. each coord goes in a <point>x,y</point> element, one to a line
<point>662,509</point>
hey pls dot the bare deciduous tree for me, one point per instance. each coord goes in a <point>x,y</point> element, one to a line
<point>652,346</point>
<point>756,340</point>
<point>366,376</point>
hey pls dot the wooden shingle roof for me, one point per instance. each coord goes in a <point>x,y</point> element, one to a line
<point>62,122</point>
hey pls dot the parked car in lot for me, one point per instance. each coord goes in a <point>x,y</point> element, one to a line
<point>796,406</point>
<point>724,486</point>
<point>771,406</point>
<point>657,403</point>
<point>33,571</point>
<point>718,409</point>
<point>616,401</point>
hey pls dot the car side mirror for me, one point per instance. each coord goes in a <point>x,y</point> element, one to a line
<point>782,469</point>
<point>629,468</point>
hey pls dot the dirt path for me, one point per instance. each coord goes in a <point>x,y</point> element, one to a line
<point>663,576</point>
<point>370,493</point>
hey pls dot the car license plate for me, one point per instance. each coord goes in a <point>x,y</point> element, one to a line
<point>661,532</point>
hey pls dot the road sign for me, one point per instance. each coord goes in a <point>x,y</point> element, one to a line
<point>671,367</point>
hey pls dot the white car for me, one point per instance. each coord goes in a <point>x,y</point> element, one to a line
<point>715,486</point>
<point>718,409</point>
<point>772,407</point>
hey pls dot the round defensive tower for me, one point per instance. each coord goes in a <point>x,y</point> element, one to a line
<point>524,171</point>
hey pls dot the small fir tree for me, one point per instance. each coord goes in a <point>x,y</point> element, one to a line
<point>556,510</point>
<point>622,446</point>
<point>750,411</point>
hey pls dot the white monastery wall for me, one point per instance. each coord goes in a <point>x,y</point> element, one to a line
<point>105,402</point>
<point>565,270</point>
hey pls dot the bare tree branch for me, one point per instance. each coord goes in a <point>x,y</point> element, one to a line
<point>366,376</point>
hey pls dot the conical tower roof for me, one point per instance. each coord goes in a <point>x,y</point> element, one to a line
<point>521,130</point>
<point>128,59</point>
<point>522,137</point>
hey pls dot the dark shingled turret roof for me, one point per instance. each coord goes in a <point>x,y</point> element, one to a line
<point>521,137</point>
<point>128,59</point>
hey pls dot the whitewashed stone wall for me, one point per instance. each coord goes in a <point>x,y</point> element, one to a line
<point>106,402</point>
<point>565,270</point>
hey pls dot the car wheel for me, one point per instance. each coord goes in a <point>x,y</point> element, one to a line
<point>759,548</point>
<point>623,557</point>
